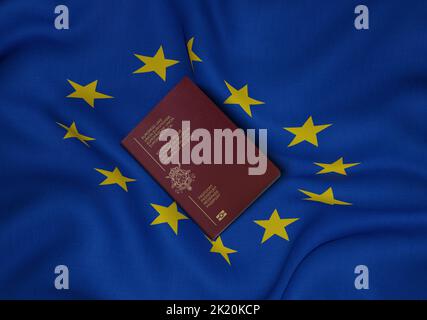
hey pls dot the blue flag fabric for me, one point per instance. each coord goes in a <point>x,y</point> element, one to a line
<point>346,116</point>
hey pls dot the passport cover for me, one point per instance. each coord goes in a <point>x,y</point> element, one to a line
<point>213,195</point>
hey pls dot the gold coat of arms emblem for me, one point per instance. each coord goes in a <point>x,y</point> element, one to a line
<point>181,179</point>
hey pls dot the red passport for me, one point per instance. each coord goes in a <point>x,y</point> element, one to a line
<point>212,194</point>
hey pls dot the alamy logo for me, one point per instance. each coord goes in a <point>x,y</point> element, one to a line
<point>218,148</point>
<point>62,21</point>
<point>361,22</point>
<point>362,280</point>
<point>62,280</point>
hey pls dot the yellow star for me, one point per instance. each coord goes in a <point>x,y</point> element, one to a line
<point>157,64</point>
<point>193,57</point>
<point>338,167</point>
<point>113,177</point>
<point>241,97</point>
<point>275,226</point>
<point>308,132</point>
<point>72,132</point>
<point>169,215</point>
<point>218,247</point>
<point>88,92</point>
<point>325,197</point>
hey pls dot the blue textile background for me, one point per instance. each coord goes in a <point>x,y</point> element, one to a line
<point>302,58</point>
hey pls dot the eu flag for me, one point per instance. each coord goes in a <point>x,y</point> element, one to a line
<point>341,88</point>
